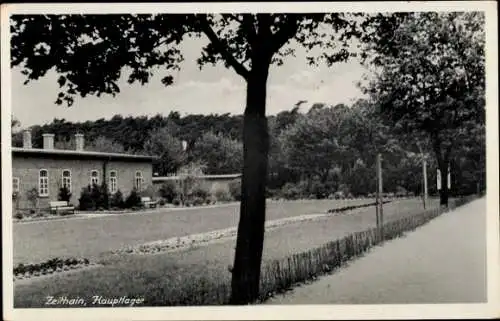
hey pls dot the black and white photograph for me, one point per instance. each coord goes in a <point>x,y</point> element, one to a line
<point>250,160</point>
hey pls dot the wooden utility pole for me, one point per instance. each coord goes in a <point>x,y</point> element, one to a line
<point>380,189</point>
<point>424,172</point>
<point>379,201</point>
<point>377,195</point>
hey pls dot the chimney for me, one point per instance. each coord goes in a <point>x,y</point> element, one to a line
<point>27,139</point>
<point>79,142</point>
<point>48,141</point>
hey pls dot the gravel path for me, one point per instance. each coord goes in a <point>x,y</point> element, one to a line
<point>441,262</point>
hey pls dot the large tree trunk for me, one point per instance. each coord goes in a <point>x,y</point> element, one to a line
<point>250,239</point>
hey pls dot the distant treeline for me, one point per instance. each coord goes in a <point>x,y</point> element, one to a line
<point>133,132</point>
<point>325,150</point>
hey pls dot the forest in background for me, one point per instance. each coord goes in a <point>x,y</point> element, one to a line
<point>316,153</point>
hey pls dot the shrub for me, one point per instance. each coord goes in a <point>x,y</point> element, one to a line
<point>197,201</point>
<point>235,189</point>
<point>401,191</point>
<point>290,191</point>
<point>303,188</point>
<point>162,202</point>
<point>64,194</point>
<point>149,191</point>
<point>86,201</point>
<point>18,215</point>
<point>176,201</point>
<point>169,191</point>
<point>133,200</point>
<point>270,193</point>
<point>199,191</point>
<point>117,200</point>
<point>32,196</point>
<point>15,199</point>
<point>318,189</point>
<point>100,195</point>
<point>344,188</point>
<point>221,192</point>
<point>94,197</point>
<point>338,195</point>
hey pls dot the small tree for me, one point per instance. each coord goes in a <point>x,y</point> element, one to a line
<point>100,196</point>
<point>117,200</point>
<point>32,196</point>
<point>86,202</point>
<point>169,191</point>
<point>235,189</point>
<point>190,178</point>
<point>64,194</point>
<point>133,200</point>
<point>15,199</point>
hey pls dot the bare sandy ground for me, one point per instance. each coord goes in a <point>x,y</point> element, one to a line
<point>441,262</point>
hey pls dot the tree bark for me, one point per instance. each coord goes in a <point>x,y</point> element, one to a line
<point>250,239</point>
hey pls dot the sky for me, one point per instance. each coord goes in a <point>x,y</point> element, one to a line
<point>214,89</point>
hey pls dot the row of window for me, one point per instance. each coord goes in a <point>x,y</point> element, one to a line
<point>43,181</point>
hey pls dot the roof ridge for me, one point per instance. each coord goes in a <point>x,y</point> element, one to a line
<point>78,152</point>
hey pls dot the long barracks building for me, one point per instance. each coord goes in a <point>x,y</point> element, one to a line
<point>48,169</point>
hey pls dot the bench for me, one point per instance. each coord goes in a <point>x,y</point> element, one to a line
<point>56,207</point>
<point>147,202</point>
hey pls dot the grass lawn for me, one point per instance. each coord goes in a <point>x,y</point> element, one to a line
<point>160,277</point>
<point>38,241</point>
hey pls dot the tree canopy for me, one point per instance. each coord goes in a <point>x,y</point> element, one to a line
<point>430,75</point>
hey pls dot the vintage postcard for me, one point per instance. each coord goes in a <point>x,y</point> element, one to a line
<point>330,160</point>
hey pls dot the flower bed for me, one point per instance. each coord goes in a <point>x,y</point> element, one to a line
<point>347,208</point>
<point>55,265</point>
<point>179,243</point>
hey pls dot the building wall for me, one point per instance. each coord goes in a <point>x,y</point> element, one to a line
<point>27,170</point>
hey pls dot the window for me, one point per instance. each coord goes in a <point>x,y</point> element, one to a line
<point>112,182</point>
<point>66,179</point>
<point>94,177</point>
<point>138,180</point>
<point>15,184</point>
<point>43,183</point>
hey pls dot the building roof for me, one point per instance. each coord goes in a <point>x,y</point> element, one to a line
<point>76,153</point>
<point>220,176</point>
